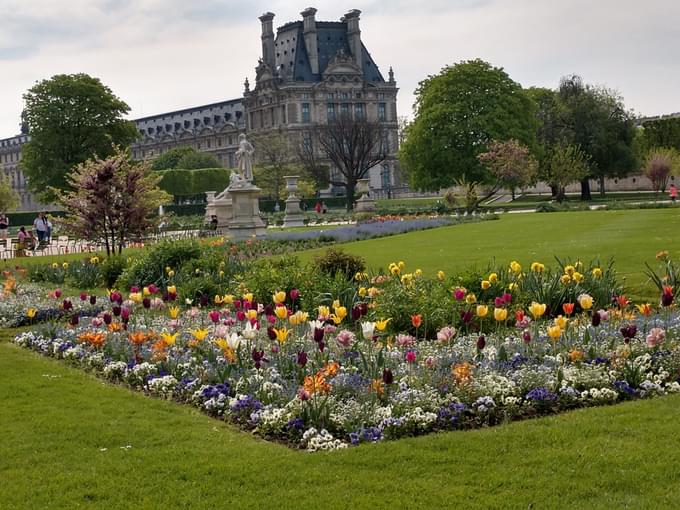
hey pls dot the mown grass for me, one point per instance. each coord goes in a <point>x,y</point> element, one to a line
<point>65,436</point>
<point>630,238</point>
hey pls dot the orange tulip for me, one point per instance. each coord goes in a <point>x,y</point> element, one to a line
<point>568,308</point>
<point>416,320</point>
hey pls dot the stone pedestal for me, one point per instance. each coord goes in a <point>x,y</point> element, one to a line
<point>294,216</point>
<point>245,220</point>
<point>219,205</point>
<point>365,203</point>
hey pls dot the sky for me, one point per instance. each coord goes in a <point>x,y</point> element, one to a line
<point>163,55</point>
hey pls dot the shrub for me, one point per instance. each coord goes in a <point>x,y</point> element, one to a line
<point>337,261</point>
<point>84,275</point>
<point>151,266</point>
<point>111,269</point>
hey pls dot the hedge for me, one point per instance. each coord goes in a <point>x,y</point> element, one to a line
<point>180,182</point>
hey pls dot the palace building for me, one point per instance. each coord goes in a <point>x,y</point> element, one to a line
<point>309,73</point>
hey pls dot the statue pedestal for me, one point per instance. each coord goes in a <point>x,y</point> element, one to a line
<point>220,206</point>
<point>245,219</point>
<point>365,202</point>
<point>294,216</point>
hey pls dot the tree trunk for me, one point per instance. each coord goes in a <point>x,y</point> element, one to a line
<point>560,194</point>
<point>512,193</point>
<point>602,190</point>
<point>585,190</point>
<point>351,185</point>
<point>554,191</point>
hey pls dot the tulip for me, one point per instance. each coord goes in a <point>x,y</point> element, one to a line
<point>294,294</point>
<point>74,319</point>
<point>67,305</point>
<point>493,277</point>
<point>279,297</point>
<point>107,318</point>
<point>622,301</point>
<point>561,321</point>
<point>596,319</point>
<point>271,333</point>
<point>214,316</point>
<point>30,313</point>
<point>585,301</point>
<point>146,303</point>
<point>83,296</point>
<point>367,329</point>
<point>93,300</point>
<point>301,358</point>
<point>515,267</point>
<point>655,337</point>
<point>554,332</point>
<point>134,289</point>
<point>500,314</point>
<point>486,284</point>
<point>381,324</point>
<point>667,296</point>
<point>470,299</point>
<point>568,308</point>
<point>416,320</point>
<point>281,312</point>
<point>526,336</point>
<point>258,358</point>
<point>482,311</point>
<point>645,309</point>
<point>116,310</point>
<point>387,376</point>
<point>441,276</point>
<point>410,357</point>
<point>466,316</point>
<point>203,300</point>
<point>596,272</point>
<point>537,267</point>
<point>241,315</point>
<point>356,313</point>
<point>57,293</point>
<point>481,342</point>
<point>459,294</point>
<point>565,279</point>
<point>629,331</point>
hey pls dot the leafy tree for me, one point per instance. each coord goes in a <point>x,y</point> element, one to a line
<point>662,133</point>
<point>71,118</point>
<point>186,158</point>
<point>457,113</point>
<point>511,165</point>
<point>9,199</point>
<point>659,166</point>
<point>565,164</point>
<point>114,200</point>
<point>354,146</point>
<point>595,119</point>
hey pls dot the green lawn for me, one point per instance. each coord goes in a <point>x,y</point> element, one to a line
<point>57,421</point>
<point>631,238</point>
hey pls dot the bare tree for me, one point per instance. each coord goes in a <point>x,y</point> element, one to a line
<point>354,146</point>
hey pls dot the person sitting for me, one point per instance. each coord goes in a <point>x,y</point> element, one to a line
<point>26,241</point>
<point>213,222</point>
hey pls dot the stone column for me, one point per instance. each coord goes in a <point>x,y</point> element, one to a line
<point>245,221</point>
<point>365,202</point>
<point>294,216</point>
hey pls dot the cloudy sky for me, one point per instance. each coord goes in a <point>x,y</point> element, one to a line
<point>160,55</point>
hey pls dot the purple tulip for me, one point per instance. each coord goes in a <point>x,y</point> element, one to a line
<point>481,342</point>
<point>93,300</point>
<point>302,358</point>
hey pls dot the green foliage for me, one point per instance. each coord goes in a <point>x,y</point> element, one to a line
<point>113,199</point>
<point>662,133</point>
<point>200,287</point>
<point>336,261</point>
<point>111,268</point>
<point>186,158</point>
<point>71,118</point>
<point>458,112</point>
<point>151,266</point>
<point>9,198</point>
<point>182,182</point>
<point>565,164</point>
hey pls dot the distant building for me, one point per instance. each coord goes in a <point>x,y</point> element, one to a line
<point>310,72</point>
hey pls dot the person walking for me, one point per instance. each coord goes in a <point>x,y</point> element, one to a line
<point>673,192</point>
<point>48,233</point>
<point>4,226</point>
<point>40,225</point>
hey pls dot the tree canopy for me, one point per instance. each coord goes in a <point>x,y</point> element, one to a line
<point>9,199</point>
<point>457,114</point>
<point>114,200</point>
<point>70,118</point>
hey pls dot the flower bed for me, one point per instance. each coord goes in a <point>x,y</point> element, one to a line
<point>347,371</point>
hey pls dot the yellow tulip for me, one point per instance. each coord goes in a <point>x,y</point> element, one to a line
<point>336,304</point>
<point>486,284</point>
<point>324,312</point>
<point>146,291</point>
<point>482,311</point>
<point>94,260</point>
<point>537,267</point>
<point>470,299</point>
<point>578,277</point>
<point>537,309</point>
<point>554,332</point>
<point>281,312</point>
<point>221,274</point>
<point>515,266</point>
<point>394,269</point>
<point>569,270</point>
<point>362,291</point>
<point>168,269</point>
<point>401,265</point>
<point>441,275</point>
<point>561,321</point>
<point>407,279</point>
<point>372,292</point>
<point>493,277</point>
<point>248,296</point>
<point>597,272</point>
<point>172,289</point>
<point>168,338</point>
<point>227,299</point>
<point>565,279</point>
<point>199,334</point>
<point>339,315</point>
<point>218,299</point>
<point>381,324</point>
<point>281,335</point>
<point>30,313</point>
<point>586,301</point>
<point>500,314</point>
<point>279,297</point>
<point>298,317</point>
<point>136,297</point>
<point>171,273</point>
<point>55,265</point>
<point>251,314</point>
<point>173,311</point>
<point>418,273</point>
<point>512,286</point>
<point>65,265</point>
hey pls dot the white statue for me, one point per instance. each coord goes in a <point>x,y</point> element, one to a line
<point>244,157</point>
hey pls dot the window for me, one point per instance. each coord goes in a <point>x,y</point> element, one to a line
<point>381,95</point>
<point>382,116</point>
<point>385,177</point>
<point>283,114</point>
<point>344,109</point>
<point>359,111</point>
<point>307,142</point>
<point>305,112</point>
<point>331,111</point>
<point>330,95</point>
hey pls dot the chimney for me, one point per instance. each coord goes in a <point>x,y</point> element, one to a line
<point>267,20</point>
<point>309,32</point>
<point>354,36</point>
